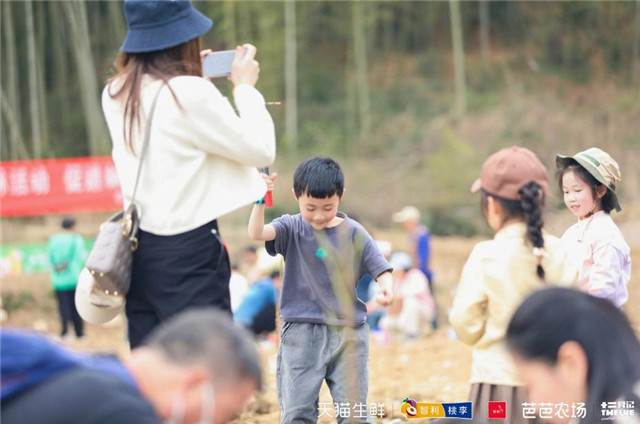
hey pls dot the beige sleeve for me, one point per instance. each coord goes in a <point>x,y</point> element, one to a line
<point>467,315</point>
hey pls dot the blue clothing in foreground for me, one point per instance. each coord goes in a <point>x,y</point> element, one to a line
<point>26,359</point>
<point>46,383</point>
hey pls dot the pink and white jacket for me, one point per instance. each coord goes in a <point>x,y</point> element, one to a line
<point>603,256</point>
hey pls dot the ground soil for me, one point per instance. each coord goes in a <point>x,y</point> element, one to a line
<point>432,368</point>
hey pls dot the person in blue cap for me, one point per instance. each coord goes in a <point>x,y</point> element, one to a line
<point>200,162</point>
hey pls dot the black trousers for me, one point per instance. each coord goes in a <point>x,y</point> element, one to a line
<point>68,312</point>
<point>173,273</point>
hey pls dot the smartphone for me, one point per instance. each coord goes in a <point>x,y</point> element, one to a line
<point>218,64</point>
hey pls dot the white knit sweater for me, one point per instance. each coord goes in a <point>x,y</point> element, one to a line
<point>202,157</point>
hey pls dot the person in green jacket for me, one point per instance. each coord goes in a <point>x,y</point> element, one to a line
<point>67,256</point>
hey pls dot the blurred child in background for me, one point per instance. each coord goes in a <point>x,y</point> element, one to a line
<point>257,311</point>
<point>420,242</point>
<point>412,305</point>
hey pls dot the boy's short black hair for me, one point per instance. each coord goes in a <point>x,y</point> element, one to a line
<point>319,178</point>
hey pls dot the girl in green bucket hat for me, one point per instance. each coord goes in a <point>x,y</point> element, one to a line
<point>588,180</point>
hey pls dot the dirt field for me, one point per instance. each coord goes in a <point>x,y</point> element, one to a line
<point>433,368</point>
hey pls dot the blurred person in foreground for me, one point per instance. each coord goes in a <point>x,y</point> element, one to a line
<point>67,254</point>
<point>572,348</point>
<point>197,367</point>
<point>200,163</point>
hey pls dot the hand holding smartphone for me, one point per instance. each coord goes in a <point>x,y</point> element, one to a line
<point>218,64</point>
<point>238,65</point>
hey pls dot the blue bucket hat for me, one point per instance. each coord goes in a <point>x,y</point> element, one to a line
<point>158,25</point>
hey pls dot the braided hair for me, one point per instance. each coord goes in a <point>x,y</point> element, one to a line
<point>531,203</point>
<point>530,207</point>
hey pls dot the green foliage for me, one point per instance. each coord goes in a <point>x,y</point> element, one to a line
<point>462,221</point>
<point>540,52</point>
<point>12,301</point>
<point>574,40</point>
<point>450,168</point>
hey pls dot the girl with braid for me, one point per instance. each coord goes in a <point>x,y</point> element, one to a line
<point>588,181</point>
<point>500,273</point>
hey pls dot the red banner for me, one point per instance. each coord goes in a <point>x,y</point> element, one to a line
<point>41,187</point>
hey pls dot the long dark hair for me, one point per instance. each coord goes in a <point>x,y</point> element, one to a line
<point>183,59</point>
<point>550,317</point>
<point>607,202</point>
<point>529,207</point>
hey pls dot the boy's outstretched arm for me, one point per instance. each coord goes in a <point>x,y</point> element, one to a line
<point>385,288</point>
<point>257,229</point>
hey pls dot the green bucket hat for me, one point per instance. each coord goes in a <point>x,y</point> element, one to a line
<point>599,164</point>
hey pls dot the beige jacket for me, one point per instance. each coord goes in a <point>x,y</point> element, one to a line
<point>202,155</point>
<point>498,275</point>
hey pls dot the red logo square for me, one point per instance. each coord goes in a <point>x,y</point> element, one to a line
<point>497,410</point>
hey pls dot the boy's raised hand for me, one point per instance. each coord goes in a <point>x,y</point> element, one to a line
<point>269,179</point>
<point>385,289</point>
<point>257,229</point>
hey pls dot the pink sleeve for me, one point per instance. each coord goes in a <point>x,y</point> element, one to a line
<point>605,272</point>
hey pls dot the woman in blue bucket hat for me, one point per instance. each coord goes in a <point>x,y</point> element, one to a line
<point>199,164</point>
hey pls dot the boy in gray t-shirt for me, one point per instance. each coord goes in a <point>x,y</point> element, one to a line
<point>324,336</point>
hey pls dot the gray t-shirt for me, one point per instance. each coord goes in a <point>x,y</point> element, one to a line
<point>322,270</point>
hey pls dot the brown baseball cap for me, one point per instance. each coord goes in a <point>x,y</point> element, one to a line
<point>505,172</point>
